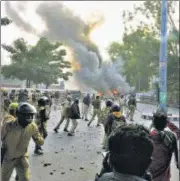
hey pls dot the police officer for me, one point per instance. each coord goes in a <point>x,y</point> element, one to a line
<point>6,100</point>
<point>15,138</point>
<point>103,118</point>
<point>86,105</point>
<point>34,98</point>
<point>12,95</point>
<point>41,121</point>
<point>122,103</point>
<point>96,110</point>
<point>23,96</point>
<point>64,114</point>
<point>11,116</point>
<point>131,107</point>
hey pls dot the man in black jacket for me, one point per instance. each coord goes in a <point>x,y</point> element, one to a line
<point>74,114</point>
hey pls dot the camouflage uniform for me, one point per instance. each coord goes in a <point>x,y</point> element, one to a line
<point>16,141</point>
<point>103,118</point>
<point>131,107</point>
<point>96,111</point>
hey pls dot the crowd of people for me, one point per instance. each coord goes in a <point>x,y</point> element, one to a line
<point>133,152</point>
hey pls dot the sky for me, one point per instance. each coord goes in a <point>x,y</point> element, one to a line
<point>110,30</point>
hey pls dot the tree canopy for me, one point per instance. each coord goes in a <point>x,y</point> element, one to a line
<point>141,45</point>
<point>42,63</point>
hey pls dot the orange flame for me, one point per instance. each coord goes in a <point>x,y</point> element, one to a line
<point>114,91</point>
<point>76,66</point>
<point>95,21</point>
<point>99,94</point>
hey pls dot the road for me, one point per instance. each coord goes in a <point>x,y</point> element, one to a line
<point>75,158</point>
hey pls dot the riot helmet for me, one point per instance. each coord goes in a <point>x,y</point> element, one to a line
<point>13,108</point>
<point>43,101</point>
<point>115,108</point>
<point>109,103</point>
<point>25,114</point>
<point>76,100</point>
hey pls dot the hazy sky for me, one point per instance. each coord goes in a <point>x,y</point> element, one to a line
<point>110,30</point>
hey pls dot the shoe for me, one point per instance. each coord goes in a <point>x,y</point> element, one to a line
<point>56,130</point>
<point>70,134</point>
<point>38,152</point>
<point>17,177</point>
<point>40,148</point>
<point>65,130</point>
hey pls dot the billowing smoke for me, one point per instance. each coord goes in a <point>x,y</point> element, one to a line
<point>12,13</point>
<point>63,25</point>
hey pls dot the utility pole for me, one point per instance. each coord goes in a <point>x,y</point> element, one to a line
<point>163,61</point>
<point>163,58</point>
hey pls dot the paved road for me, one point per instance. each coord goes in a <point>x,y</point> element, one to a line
<point>75,158</point>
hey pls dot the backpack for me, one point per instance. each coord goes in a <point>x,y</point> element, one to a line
<point>117,122</point>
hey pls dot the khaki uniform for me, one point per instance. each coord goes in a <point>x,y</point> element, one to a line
<point>64,115</point>
<point>16,141</point>
<point>38,121</point>
<point>96,111</point>
<point>8,118</point>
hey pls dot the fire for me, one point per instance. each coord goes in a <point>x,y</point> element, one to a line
<point>114,92</point>
<point>99,94</point>
<point>76,66</point>
<point>95,21</point>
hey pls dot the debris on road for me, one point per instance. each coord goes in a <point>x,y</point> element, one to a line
<point>47,164</point>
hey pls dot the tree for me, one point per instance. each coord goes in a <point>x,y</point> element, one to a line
<point>152,11</point>
<point>42,63</point>
<point>139,52</point>
<point>141,43</point>
<point>115,50</point>
<point>5,21</point>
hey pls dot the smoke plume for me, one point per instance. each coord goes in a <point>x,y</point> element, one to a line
<point>12,13</point>
<point>63,25</point>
